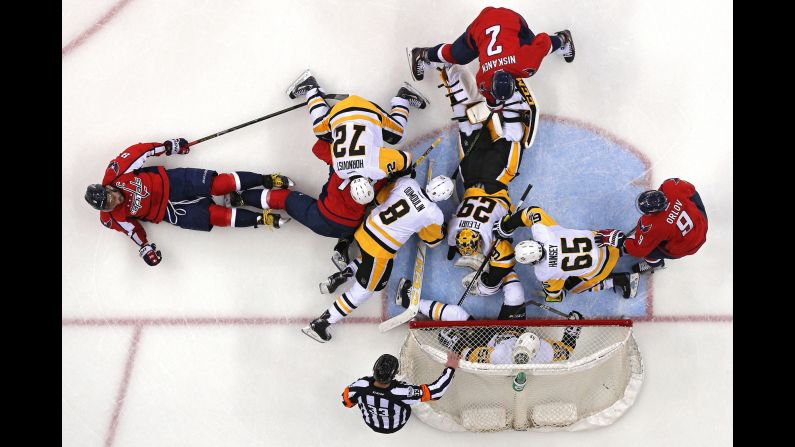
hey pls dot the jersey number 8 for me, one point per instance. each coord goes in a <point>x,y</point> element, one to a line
<point>394,212</point>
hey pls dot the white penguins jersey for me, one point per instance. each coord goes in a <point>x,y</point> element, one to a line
<point>568,252</point>
<point>478,211</point>
<point>404,210</point>
<point>357,127</point>
<point>499,351</point>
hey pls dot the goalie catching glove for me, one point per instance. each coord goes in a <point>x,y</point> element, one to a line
<point>151,254</point>
<point>610,237</point>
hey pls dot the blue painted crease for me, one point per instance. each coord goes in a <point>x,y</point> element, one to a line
<point>580,178</point>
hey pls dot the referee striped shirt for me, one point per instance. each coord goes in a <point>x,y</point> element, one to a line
<point>386,410</point>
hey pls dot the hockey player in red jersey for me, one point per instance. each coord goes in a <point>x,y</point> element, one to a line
<point>673,225</point>
<point>337,212</point>
<point>130,193</point>
<point>501,41</point>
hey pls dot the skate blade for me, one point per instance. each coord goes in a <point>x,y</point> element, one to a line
<point>312,334</point>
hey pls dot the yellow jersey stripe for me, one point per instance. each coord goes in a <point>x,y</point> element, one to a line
<point>378,269</point>
<point>380,230</point>
<point>344,119</point>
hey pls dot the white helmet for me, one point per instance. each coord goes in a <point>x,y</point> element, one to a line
<point>440,188</point>
<point>529,252</point>
<point>525,348</point>
<point>362,191</point>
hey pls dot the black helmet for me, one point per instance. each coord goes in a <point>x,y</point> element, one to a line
<point>502,85</point>
<point>650,202</point>
<point>96,196</point>
<point>385,368</point>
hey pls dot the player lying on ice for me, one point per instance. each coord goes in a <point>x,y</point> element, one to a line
<point>358,131</point>
<point>130,193</point>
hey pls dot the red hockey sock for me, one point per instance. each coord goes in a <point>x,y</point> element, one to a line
<point>220,216</point>
<point>277,198</point>
<point>223,184</point>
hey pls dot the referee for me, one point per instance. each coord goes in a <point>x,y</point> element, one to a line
<point>384,402</point>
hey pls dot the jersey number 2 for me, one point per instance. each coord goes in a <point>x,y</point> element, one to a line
<point>494,31</point>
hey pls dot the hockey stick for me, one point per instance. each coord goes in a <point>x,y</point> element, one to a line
<point>472,146</point>
<point>545,307</point>
<point>336,96</point>
<point>493,246</point>
<point>421,158</point>
<point>416,282</point>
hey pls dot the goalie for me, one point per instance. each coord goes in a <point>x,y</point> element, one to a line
<point>510,346</point>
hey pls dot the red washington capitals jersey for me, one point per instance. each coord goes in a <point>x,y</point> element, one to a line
<point>679,230</point>
<point>502,39</point>
<point>334,203</point>
<point>145,191</point>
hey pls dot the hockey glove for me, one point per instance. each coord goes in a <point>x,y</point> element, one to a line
<point>410,171</point>
<point>499,230</point>
<point>151,254</point>
<point>611,237</point>
<point>574,315</point>
<point>181,145</point>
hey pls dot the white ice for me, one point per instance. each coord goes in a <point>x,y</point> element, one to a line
<point>206,350</point>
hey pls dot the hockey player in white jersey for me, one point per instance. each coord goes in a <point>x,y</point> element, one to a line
<point>511,346</point>
<point>405,208</point>
<point>491,139</point>
<point>359,129</point>
<point>567,260</point>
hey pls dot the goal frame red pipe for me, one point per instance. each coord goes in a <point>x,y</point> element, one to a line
<point>469,323</point>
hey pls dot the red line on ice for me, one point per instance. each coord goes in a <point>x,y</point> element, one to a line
<point>81,39</point>
<point>125,382</point>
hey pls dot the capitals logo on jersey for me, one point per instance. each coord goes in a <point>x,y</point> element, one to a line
<point>140,192</point>
<point>114,166</point>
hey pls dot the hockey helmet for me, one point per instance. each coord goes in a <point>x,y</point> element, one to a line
<point>440,188</point>
<point>525,348</point>
<point>650,202</point>
<point>502,85</point>
<point>385,368</point>
<point>96,196</point>
<point>529,252</point>
<point>467,241</point>
<point>361,190</point>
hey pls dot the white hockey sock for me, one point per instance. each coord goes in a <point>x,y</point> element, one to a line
<point>443,312</point>
<point>348,302</point>
<point>264,199</point>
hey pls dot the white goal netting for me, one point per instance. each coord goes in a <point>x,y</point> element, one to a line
<point>588,386</point>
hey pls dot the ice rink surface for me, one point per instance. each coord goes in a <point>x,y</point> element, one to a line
<point>206,350</point>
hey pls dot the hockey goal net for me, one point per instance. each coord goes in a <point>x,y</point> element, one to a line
<point>589,386</point>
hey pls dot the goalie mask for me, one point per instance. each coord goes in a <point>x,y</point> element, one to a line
<point>467,241</point>
<point>525,348</point>
<point>529,252</point>
<point>385,368</point>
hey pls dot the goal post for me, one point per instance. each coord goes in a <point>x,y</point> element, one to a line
<point>589,386</point>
